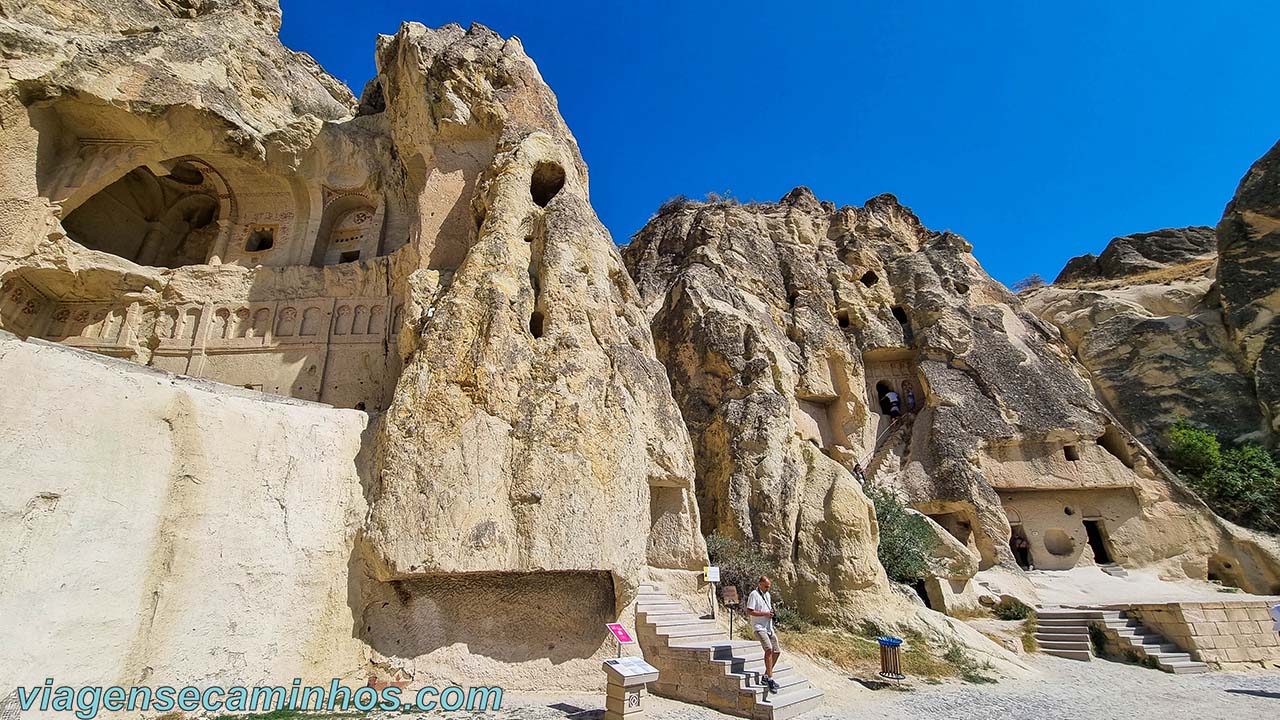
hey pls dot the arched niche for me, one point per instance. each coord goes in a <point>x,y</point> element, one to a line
<point>168,220</point>
<point>350,229</point>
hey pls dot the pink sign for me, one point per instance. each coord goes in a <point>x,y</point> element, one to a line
<point>621,633</point>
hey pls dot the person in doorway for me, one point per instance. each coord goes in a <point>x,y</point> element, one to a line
<point>895,405</point>
<point>911,400</point>
<point>1022,550</point>
<point>760,609</point>
<point>859,474</point>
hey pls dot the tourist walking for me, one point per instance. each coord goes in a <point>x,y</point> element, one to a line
<point>760,608</point>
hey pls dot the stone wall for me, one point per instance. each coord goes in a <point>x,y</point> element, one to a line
<point>1230,635</point>
<point>166,530</point>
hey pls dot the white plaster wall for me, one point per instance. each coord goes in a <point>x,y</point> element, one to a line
<point>157,529</point>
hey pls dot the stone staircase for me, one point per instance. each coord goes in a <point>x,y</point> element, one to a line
<point>1149,644</point>
<point>1114,570</point>
<point>1064,632</point>
<point>699,664</point>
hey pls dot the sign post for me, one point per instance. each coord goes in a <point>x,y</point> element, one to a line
<point>730,596</point>
<point>711,574</point>
<point>621,635</point>
<point>625,693</point>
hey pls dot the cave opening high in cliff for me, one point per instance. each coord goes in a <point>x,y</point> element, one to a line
<point>164,221</point>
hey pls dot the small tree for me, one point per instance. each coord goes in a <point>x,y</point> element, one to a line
<point>905,538</point>
<point>740,564</point>
<point>1191,451</point>
<point>1031,281</point>
<point>1241,484</point>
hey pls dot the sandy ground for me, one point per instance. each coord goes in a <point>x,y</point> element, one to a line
<point>1091,586</point>
<point>1064,690</point>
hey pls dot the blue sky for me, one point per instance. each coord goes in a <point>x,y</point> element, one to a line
<point>1037,130</point>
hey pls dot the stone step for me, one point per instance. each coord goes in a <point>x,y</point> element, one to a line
<point>1188,667</point>
<point>1062,630</point>
<point>735,643</point>
<point>1068,614</point>
<point>751,682</point>
<point>1043,639</point>
<point>666,621</point>
<point>1061,637</point>
<point>1084,655</point>
<point>1170,657</point>
<point>787,705</point>
<point>658,612</point>
<point>1048,645</point>
<point>695,634</point>
<point>1069,620</point>
<point>658,604</point>
<point>748,666</point>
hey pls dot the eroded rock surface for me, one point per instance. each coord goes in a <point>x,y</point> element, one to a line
<point>1150,331</point>
<point>783,326</point>
<point>532,430</point>
<point>1249,278</point>
<point>1179,323</point>
<point>182,191</point>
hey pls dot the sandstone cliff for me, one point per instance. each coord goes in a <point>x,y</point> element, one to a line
<point>1179,323</point>
<point>182,191</point>
<point>1145,319</point>
<point>532,432</point>
<point>541,430</point>
<point>1249,277</point>
<point>784,326</point>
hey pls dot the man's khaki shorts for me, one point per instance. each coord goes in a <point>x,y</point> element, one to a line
<point>768,640</point>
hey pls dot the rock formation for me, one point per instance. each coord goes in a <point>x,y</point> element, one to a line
<point>1249,276</point>
<point>785,325</point>
<point>1145,319</point>
<point>262,256</point>
<point>1180,323</point>
<point>182,191</point>
<point>532,431</point>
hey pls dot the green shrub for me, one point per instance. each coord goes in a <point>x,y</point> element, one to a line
<point>1012,609</point>
<point>1244,488</point>
<point>788,618</point>
<point>1241,484</point>
<point>1192,451</point>
<point>905,538</point>
<point>969,669</point>
<point>741,565</point>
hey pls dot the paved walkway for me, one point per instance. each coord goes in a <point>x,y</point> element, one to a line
<point>1066,690</point>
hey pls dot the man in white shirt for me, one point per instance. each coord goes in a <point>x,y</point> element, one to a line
<point>760,610</point>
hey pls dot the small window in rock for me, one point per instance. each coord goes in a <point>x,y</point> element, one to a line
<point>351,256</point>
<point>1068,511</point>
<point>548,179</point>
<point>900,315</point>
<point>1071,452</point>
<point>842,317</point>
<point>260,238</point>
<point>962,288</point>
<point>536,322</point>
<point>870,279</point>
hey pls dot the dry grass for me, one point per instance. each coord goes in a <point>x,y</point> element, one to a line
<point>971,613</point>
<point>859,655</point>
<point>1186,271</point>
<point>1029,642</point>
